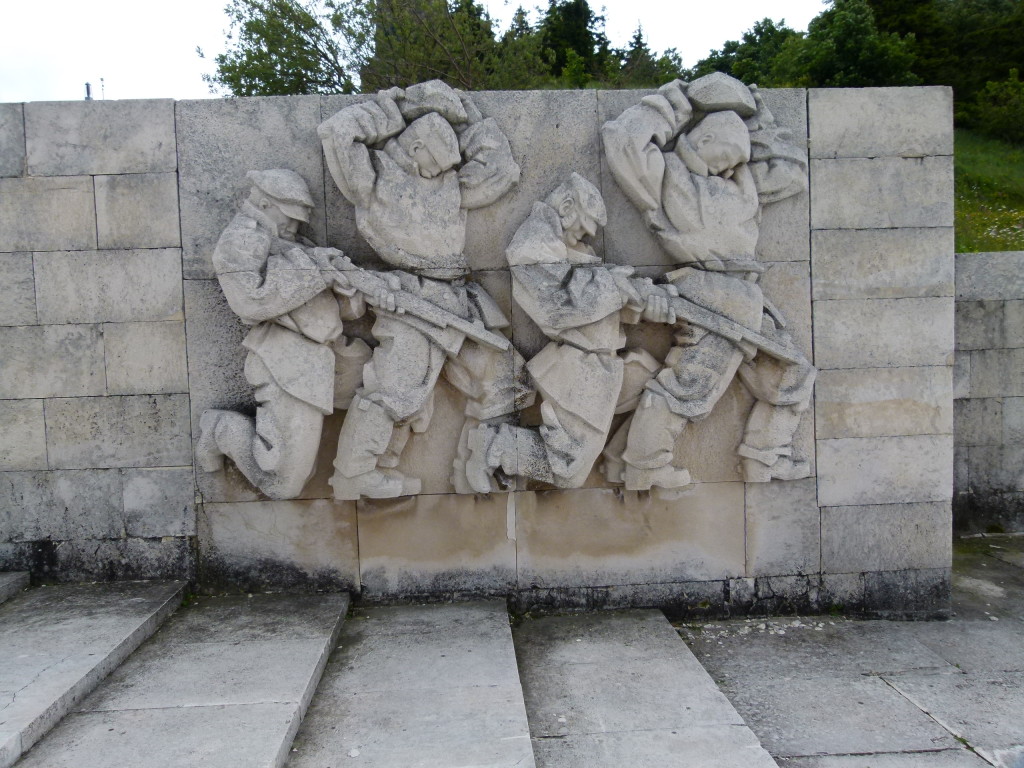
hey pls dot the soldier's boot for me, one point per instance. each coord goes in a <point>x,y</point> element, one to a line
<point>766,452</point>
<point>365,436</point>
<point>650,447</point>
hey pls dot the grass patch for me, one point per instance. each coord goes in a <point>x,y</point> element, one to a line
<point>989,194</point>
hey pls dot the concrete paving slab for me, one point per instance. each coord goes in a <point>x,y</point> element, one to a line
<point>984,585</point>
<point>58,643</point>
<point>433,686</point>
<point>974,646</point>
<point>604,683</point>
<point>11,583</point>
<point>225,683</point>
<point>947,758</point>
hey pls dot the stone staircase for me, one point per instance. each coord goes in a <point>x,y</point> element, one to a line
<point>103,675</point>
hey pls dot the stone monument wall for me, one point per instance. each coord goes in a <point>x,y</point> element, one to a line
<point>115,336</point>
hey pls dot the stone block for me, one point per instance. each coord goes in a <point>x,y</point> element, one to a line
<point>885,470</point>
<point>138,210</point>
<point>18,300</point>
<point>438,543</point>
<point>882,193</point>
<point>1013,324</point>
<point>1013,420</point>
<point>886,537</point>
<point>880,333</point>
<point>876,402</point>
<point>66,138</point>
<point>882,263</point>
<point>996,373</point>
<point>912,594</point>
<point>609,537</point>
<point>961,476</point>
<point>962,375</point>
<point>132,431</point>
<point>219,141</point>
<point>881,122</point>
<point>109,286</point>
<point>783,529</point>
<point>788,287</point>
<point>979,323</point>
<point>123,560</point>
<point>978,422</point>
<point>309,545</point>
<point>22,435</point>
<point>51,361</point>
<point>159,502</point>
<point>61,506</point>
<point>996,468</point>
<point>46,214</point>
<point>990,275</point>
<point>12,139</point>
<point>145,358</point>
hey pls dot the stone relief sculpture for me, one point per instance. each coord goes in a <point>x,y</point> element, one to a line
<point>699,161</point>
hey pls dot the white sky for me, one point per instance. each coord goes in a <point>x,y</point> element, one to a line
<point>147,48</point>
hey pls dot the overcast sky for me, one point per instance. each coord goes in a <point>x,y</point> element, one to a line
<point>147,48</point>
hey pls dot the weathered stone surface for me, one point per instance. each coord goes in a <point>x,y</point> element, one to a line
<point>12,139</point>
<point>946,758</point>
<point>882,192</point>
<point>459,544</point>
<point>882,263</point>
<point>979,421</point>
<point>886,537</point>
<point>1013,420</point>
<point>138,210</point>
<point>61,505</point>
<point>245,546</point>
<point>606,537</point>
<point>18,301</point>
<point>875,402</point>
<point>788,287</point>
<point>158,502</point>
<point>961,375</point>
<point>22,435</point>
<point>878,333</point>
<point>51,361</point>
<point>885,470</point>
<point>145,358</point>
<point>881,122</point>
<point>784,224</point>
<point>979,646</point>
<point>81,560</point>
<point>783,528</point>
<point>979,324</point>
<point>109,286</point>
<point>66,138</point>
<point>990,275</point>
<point>219,141</point>
<point>996,373</point>
<point>130,431</point>
<point>997,468</point>
<point>916,594</point>
<point>46,214</point>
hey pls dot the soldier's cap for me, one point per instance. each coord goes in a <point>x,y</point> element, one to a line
<point>287,189</point>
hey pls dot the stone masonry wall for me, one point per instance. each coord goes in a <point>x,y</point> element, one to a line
<point>115,336</point>
<point>989,391</point>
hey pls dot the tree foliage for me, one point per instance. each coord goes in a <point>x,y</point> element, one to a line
<point>752,59</point>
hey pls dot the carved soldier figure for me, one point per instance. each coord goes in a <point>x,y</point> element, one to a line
<point>279,285</point>
<point>413,163</point>
<point>700,174</point>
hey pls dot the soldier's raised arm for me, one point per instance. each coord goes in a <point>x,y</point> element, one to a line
<point>489,170</point>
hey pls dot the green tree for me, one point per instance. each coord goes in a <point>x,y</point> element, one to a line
<point>999,109</point>
<point>639,68</point>
<point>753,58</point>
<point>521,60</point>
<point>571,27</point>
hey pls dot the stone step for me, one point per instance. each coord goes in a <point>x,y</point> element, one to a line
<point>225,683</point>
<point>11,583</point>
<point>58,643</point>
<point>622,689</point>
<point>431,686</point>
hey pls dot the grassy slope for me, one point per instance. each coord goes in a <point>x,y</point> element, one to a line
<point>989,194</point>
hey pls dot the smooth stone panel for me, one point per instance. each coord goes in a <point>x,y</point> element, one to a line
<point>783,528</point>
<point>885,470</point>
<point>61,506</point>
<point>137,210</point>
<point>219,141</point>
<point>125,431</point>
<point>997,275</point>
<point>980,323</point>
<point>879,333</point>
<point>12,139</point>
<point>997,468</point>
<point>961,375</point>
<point>1013,419</point>
<point>788,287</point>
<point>886,537</point>
<point>245,545</point>
<point>22,435</point>
<point>158,502</point>
<point>437,543</point>
<point>882,263</point>
<point>18,300</point>
<point>883,192</point>
<point>996,373</point>
<point>109,286</point>
<point>47,214</point>
<point>979,421</point>
<point>877,122</point>
<point>982,646</point>
<point>877,402</point>
<point>51,361</point>
<point>145,358</point>
<point>607,537</point>
<point>66,138</point>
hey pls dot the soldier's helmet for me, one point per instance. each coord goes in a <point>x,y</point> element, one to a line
<point>287,189</point>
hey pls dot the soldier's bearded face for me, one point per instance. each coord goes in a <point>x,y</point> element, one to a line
<point>287,227</point>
